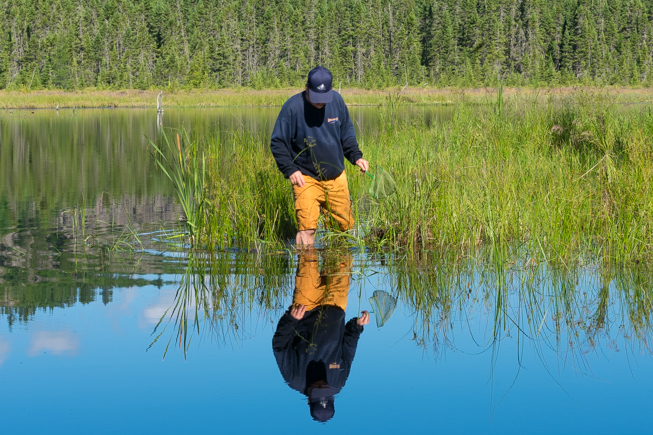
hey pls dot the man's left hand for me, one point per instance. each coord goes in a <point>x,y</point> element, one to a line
<point>364,319</point>
<point>362,163</point>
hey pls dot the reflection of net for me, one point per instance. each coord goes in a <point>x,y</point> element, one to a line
<point>383,185</point>
<point>383,305</point>
<point>313,289</point>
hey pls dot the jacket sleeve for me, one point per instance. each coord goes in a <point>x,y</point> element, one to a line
<point>280,144</point>
<point>353,332</point>
<point>285,332</point>
<point>348,137</point>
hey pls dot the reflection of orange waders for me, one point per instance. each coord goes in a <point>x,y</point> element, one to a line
<point>330,288</point>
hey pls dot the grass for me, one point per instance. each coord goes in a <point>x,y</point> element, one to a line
<point>566,181</point>
<point>243,97</point>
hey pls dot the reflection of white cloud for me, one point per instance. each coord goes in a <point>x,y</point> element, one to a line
<point>154,312</point>
<point>55,342</point>
<point>4,351</point>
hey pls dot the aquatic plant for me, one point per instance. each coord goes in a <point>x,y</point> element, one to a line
<point>567,181</point>
<point>216,293</point>
<point>185,167</point>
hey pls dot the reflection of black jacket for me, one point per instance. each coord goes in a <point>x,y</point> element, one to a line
<point>320,347</point>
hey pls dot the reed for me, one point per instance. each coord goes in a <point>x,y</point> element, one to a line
<point>567,181</point>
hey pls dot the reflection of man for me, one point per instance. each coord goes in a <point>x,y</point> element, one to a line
<point>313,346</point>
<point>311,138</point>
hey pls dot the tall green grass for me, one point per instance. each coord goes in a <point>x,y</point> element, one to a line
<point>230,193</point>
<point>566,181</point>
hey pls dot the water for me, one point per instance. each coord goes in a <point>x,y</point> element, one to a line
<point>87,273</point>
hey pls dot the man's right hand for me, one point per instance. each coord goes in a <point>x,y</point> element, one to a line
<point>297,179</point>
<point>364,319</point>
<point>297,311</point>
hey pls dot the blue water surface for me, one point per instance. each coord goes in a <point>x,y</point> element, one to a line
<point>87,368</point>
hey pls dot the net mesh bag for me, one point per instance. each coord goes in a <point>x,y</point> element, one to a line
<point>383,185</point>
<point>383,305</point>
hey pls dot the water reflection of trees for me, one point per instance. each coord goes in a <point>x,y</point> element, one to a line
<point>80,255</point>
<point>20,300</point>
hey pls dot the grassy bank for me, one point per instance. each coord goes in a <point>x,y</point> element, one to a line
<point>245,97</point>
<point>566,181</point>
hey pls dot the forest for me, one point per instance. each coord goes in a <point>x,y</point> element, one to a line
<point>144,44</point>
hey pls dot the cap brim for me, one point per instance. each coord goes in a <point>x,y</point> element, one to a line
<point>320,97</point>
<point>319,393</point>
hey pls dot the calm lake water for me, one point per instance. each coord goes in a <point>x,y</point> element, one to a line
<point>108,325</point>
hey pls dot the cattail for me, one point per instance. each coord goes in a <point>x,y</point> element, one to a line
<point>179,148</point>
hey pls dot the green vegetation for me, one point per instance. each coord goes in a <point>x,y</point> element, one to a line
<point>218,292</point>
<point>139,44</point>
<point>223,295</point>
<point>564,182</point>
<point>573,310</point>
<point>253,98</point>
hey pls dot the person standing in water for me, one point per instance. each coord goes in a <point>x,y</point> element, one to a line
<point>312,136</point>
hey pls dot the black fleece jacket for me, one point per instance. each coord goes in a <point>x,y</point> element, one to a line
<point>319,347</point>
<point>314,141</point>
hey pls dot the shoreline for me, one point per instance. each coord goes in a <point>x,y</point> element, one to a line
<point>94,99</point>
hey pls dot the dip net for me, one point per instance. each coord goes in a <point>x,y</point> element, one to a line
<point>383,185</point>
<point>383,305</point>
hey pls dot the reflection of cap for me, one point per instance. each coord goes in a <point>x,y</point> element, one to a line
<point>319,85</point>
<point>321,403</point>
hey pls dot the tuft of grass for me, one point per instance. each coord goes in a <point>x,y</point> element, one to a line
<point>185,166</point>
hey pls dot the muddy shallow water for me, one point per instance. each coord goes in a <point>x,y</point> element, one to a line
<point>108,325</point>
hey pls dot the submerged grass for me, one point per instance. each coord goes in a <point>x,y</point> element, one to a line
<point>565,181</point>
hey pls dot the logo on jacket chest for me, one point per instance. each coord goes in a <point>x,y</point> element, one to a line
<point>334,365</point>
<point>332,120</point>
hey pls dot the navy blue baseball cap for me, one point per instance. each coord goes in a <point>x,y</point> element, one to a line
<point>322,405</point>
<point>319,85</point>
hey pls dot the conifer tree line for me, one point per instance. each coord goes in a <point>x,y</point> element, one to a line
<point>73,44</point>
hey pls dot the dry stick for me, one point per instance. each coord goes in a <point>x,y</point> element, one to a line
<point>159,102</point>
<point>579,178</point>
<point>592,168</point>
<point>31,81</point>
<point>406,71</point>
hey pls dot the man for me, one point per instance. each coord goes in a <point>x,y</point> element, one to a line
<point>311,138</point>
<point>313,345</point>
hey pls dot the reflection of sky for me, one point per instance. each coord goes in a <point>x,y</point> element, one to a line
<point>54,342</point>
<point>5,348</point>
<point>155,311</point>
<point>395,385</point>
